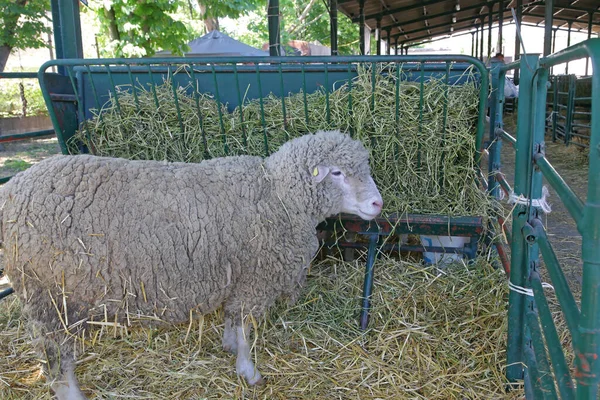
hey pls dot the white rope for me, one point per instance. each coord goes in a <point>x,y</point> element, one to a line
<point>549,119</point>
<point>539,203</point>
<point>527,291</point>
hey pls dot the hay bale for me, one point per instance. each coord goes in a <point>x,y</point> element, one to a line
<point>423,162</point>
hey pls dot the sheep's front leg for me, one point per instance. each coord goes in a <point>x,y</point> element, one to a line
<point>244,365</point>
<point>229,337</point>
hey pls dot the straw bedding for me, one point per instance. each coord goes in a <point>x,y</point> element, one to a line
<point>432,335</point>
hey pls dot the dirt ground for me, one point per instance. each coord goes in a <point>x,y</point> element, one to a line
<point>572,164</point>
<point>18,156</point>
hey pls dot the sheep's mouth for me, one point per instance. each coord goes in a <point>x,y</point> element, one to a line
<point>366,215</point>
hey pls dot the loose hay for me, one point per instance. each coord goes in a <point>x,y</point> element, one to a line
<point>423,162</point>
<point>433,335</point>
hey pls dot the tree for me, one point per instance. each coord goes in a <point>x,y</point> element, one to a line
<point>21,26</point>
<point>212,10</point>
<point>301,20</point>
<point>141,27</point>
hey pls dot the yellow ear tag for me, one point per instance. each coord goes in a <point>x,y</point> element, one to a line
<point>316,171</point>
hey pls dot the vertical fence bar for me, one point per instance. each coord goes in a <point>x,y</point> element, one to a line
<point>494,102</point>
<point>587,365</point>
<point>554,106</point>
<point>570,108</point>
<point>196,85</point>
<point>519,268</point>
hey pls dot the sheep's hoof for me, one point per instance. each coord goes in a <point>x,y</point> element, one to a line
<point>230,348</point>
<point>256,380</point>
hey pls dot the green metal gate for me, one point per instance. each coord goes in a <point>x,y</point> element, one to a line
<point>534,350</point>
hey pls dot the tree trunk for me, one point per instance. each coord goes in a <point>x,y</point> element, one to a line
<point>113,30</point>
<point>10,25</point>
<point>210,23</point>
<point>4,53</point>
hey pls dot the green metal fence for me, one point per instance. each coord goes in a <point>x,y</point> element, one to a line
<point>568,105</point>
<point>534,350</point>
<point>89,84</point>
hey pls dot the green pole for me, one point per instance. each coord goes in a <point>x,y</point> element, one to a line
<point>549,13</point>
<point>361,24</point>
<point>472,43</point>
<point>388,31</point>
<point>569,24</point>
<point>67,30</point>
<point>590,20</point>
<point>495,119</point>
<point>519,12</point>
<point>490,21</point>
<point>519,267</point>
<point>500,23</point>
<point>378,36</point>
<point>481,44</point>
<point>274,34</point>
<point>333,26</point>
<point>587,365</point>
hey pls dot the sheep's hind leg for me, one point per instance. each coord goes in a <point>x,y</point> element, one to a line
<point>60,369</point>
<point>244,365</point>
<point>230,337</point>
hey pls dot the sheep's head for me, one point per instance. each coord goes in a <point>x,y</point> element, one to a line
<point>334,172</point>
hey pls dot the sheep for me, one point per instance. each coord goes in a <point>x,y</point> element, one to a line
<point>91,239</point>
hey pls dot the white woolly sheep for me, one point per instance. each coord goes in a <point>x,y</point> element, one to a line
<point>86,238</point>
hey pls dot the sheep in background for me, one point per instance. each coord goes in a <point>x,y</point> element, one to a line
<point>91,239</point>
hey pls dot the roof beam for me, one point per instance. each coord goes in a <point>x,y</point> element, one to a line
<point>401,9</point>
<point>542,3</point>
<point>458,21</point>
<point>432,16</point>
<point>559,18</point>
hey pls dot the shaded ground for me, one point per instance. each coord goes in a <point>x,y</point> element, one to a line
<point>571,163</point>
<point>18,156</point>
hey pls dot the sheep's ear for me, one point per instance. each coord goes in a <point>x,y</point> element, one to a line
<point>319,173</point>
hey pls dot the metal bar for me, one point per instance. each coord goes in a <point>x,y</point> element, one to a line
<point>481,44</point>
<point>549,13</point>
<point>570,24</point>
<point>519,268</point>
<point>590,20</point>
<point>507,136</point>
<point>18,75</point>
<point>274,24</point>
<point>333,26</point>
<point>476,41</point>
<point>544,383</point>
<point>27,135</point>
<point>236,78</point>
<point>472,43</point>
<point>67,30</point>
<point>531,376</point>
<point>368,283</point>
<point>557,356</point>
<point>400,9</point>
<point>199,111</point>
<point>499,48</point>
<point>219,109</point>
<point>554,107</point>
<point>495,102</point>
<point>490,21</point>
<point>571,201</point>
<point>7,291</point>
<point>561,287</point>
<point>378,36</point>
<point>389,40</point>
<point>586,356</point>
<point>570,107</point>
<point>503,182</point>
<point>361,25</point>
<point>519,12</point>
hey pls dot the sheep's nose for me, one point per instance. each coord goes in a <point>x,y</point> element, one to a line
<point>378,204</point>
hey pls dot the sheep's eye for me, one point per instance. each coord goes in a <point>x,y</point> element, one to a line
<point>336,173</point>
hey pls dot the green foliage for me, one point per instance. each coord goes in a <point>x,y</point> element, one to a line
<point>10,101</point>
<point>23,22</point>
<point>140,28</point>
<point>17,165</point>
<point>231,8</point>
<point>314,26</point>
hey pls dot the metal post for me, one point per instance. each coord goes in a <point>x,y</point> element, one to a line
<point>274,33</point>
<point>553,47</point>
<point>396,45</point>
<point>494,154</point>
<point>500,23</point>
<point>549,9</point>
<point>570,24</point>
<point>587,364</point>
<point>378,36</point>
<point>361,24</point>
<point>490,20</point>
<point>481,43</point>
<point>389,40</point>
<point>333,26</point>
<point>472,43</point>
<point>590,19</point>
<point>67,30</point>
<point>520,268</point>
<point>476,39</point>
<point>519,13</point>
